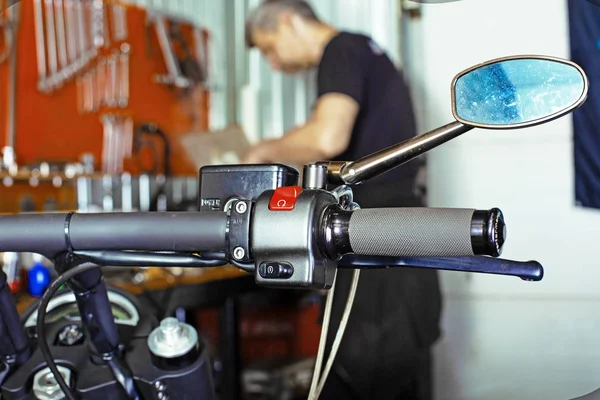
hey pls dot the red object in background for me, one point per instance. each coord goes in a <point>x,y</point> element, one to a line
<point>269,333</point>
<point>15,286</point>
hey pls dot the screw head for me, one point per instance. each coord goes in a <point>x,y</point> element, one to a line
<point>241,207</point>
<point>172,339</point>
<point>170,330</point>
<point>45,386</point>
<point>71,335</point>
<point>239,253</point>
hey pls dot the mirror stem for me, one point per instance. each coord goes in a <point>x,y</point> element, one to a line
<point>350,173</point>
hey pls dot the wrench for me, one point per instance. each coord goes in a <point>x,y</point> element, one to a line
<point>100,84</point>
<point>88,87</point>
<point>40,42</point>
<point>71,33</point>
<point>81,93</point>
<point>174,75</point>
<point>61,39</point>
<point>80,36</point>
<point>123,95</point>
<point>119,143</point>
<point>201,52</point>
<point>108,140</point>
<point>88,30</point>
<point>128,138</point>
<point>119,18</point>
<point>111,80</point>
<point>98,23</point>
<point>50,34</point>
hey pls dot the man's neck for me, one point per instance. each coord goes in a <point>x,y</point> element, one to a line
<point>322,35</point>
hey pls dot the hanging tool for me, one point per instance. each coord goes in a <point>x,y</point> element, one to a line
<point>82,33</point>
<point>117,142</point>
<point>201,53</point>
<point>61,39</point>
<point>111,80</point>
<point>40,44</point>
<point>108,145</point>
<point>174,75</point>
<point>8,152</point>
<point>188,64</point>
<point>119,19</point>
<point>127,133</point>
<point>100,84</point>
<point>88,91</point>
<point>51,42</point>
<point>123,85</point>
<point>71,31</point>
<point>98,23</point>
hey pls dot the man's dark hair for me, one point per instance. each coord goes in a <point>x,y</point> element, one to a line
<point>265,15</point>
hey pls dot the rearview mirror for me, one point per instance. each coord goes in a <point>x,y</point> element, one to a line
<point>505,93</point>
<point>516,92</point>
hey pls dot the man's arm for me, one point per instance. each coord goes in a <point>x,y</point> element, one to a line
<point>325,135</point>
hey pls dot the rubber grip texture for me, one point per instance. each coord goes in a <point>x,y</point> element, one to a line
<point>411,232</point>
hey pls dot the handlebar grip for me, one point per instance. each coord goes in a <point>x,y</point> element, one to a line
<point>422,232</point>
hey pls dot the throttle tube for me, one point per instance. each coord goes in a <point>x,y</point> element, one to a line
<point>414,232</point>
<point>52,234</point>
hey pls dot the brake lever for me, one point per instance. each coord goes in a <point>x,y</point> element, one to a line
<point>526,270</point>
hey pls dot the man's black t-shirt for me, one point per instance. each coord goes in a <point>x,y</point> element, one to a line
<point>354,65</point>
<point>396,312</point>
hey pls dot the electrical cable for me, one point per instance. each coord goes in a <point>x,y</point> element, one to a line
<point>41,324</point>
<point>243,266</point>
<point>322,342</point>
<point>318,382</point>
<point>340,333</point>
<point>120,258</point>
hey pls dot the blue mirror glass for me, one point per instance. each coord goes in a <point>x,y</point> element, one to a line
<point>517,92</point>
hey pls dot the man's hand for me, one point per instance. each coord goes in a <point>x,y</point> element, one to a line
<point>257,154</point>
<point>325,135</point>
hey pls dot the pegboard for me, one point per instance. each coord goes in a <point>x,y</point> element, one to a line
<point>53,125</point>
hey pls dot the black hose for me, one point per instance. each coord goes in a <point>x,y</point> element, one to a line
<point>41,324</point>
<point>118,368</point>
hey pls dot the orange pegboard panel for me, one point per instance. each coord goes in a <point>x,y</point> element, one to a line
<point>50,127</point>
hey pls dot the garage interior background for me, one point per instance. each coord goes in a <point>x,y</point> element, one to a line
<point>503,338</point>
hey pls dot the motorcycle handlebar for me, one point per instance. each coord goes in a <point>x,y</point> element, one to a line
<point>394,232</point>
<point>55,233</point>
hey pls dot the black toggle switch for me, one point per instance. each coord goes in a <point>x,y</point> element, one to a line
<point>275,270</point>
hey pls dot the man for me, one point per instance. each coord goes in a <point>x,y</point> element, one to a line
<point>363,106</point>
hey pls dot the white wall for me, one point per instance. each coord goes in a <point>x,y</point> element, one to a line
<point>505,338</point>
